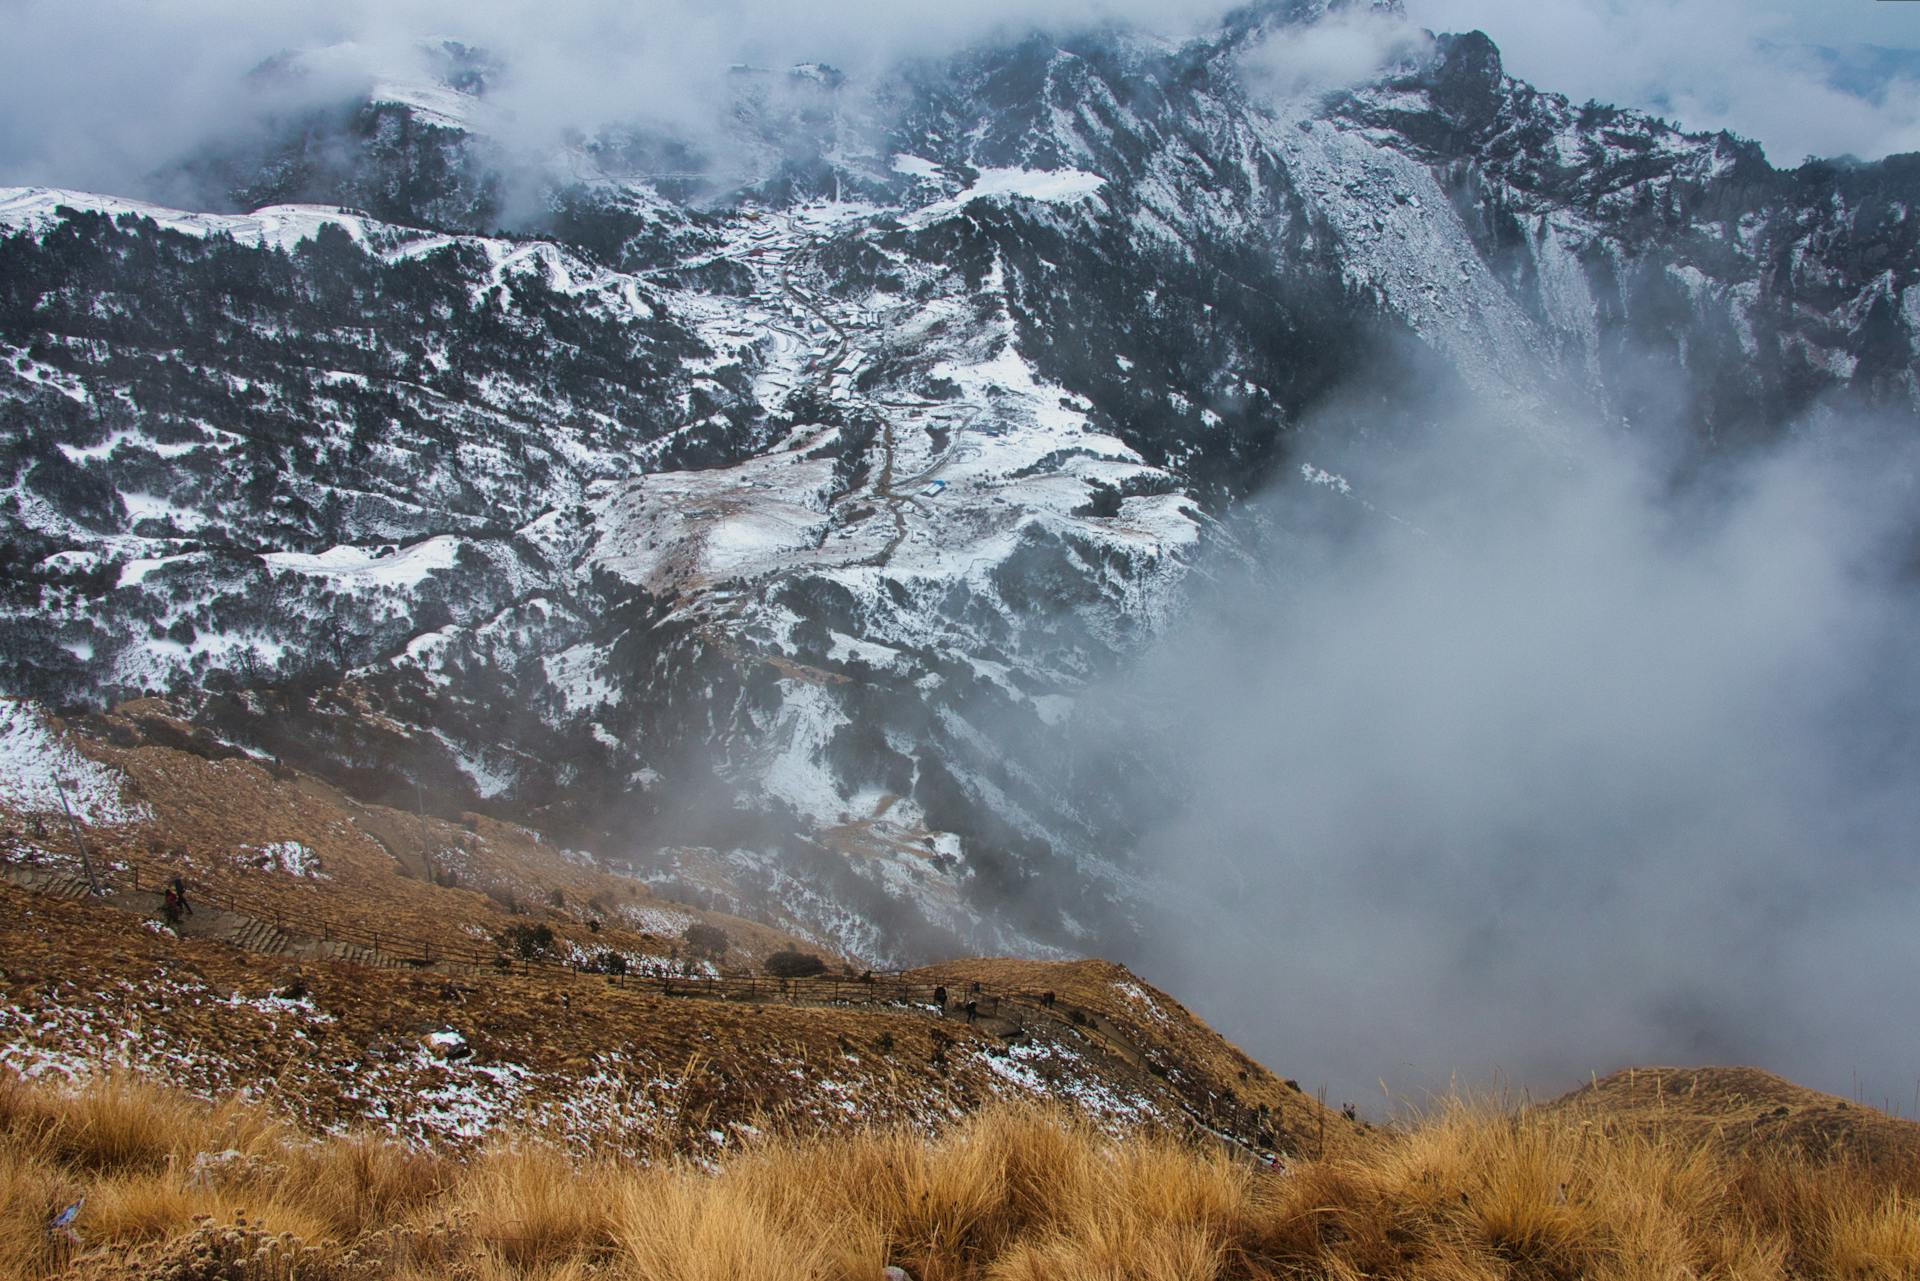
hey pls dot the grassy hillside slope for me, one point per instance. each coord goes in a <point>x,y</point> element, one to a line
<point>179,1190</point>
<point>444,981</point>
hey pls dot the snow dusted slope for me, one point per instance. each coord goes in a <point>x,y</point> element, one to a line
<point>862,527</point>
<point>40,774</point>
<point>761,534</point>
<point>366,457</point>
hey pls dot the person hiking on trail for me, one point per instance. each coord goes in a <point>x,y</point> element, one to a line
<point>940,997</point>
<point>175,905</point>
<point>1047,1000</point>
<point>973,1011</point>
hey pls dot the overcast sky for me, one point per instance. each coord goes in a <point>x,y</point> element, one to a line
<point>95,93</point>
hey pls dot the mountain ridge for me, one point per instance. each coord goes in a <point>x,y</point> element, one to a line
<point>786,517</point>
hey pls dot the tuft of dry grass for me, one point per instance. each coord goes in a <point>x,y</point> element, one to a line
<point>1871,1240</point>
<point>357,1184</point>
<point>179,1190</point>
<point>539,1207</point>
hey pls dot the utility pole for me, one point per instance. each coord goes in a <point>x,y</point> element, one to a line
<point>73,825</point>
<point>426,844</point>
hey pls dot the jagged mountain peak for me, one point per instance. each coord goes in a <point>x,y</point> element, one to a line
<point>758,511</point>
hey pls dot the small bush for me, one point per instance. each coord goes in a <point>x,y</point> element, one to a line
<point>706,940</point>
<point>793,964</point>
<point>605,961</point>
<point>528,942</point>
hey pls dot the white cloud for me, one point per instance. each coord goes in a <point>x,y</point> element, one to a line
<point>1589,771</point>
<point>95,93</point>
<point>1335,53</point>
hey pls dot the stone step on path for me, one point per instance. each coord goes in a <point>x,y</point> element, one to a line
<point>352,953</point>
<point>68,887</point>
<point>992,1024</point>
<point>363,954</point>
<point>255,935</point>
<point>238,929</point>
<point>358,954</point>
<point>52,881</point>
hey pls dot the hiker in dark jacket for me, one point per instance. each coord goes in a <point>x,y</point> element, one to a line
<point>973,1010</point>
<point>940,997</point>
<point>175,906</point>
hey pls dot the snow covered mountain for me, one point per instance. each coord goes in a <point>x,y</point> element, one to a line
<point>753,510</point>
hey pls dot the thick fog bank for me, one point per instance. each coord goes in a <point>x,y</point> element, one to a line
<point>1506,764</point>
<point>104,94</point>
<point>107,95</point>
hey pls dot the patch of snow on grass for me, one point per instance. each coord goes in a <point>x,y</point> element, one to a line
<point>141,506</point>
<point>135,571</point>
<point>916,166</point>
<point>655,920</point>
<point>354,567</point>
<point>466,1099</point>
<point>1048,186</point>
<point>290,857</point>
<point>35,766</point>
<point>1053,1071</point>
<point>1135,993</point>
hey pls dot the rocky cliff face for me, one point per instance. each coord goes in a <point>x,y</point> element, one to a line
<point>755,512</point>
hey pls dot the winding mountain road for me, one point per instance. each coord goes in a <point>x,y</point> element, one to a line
<point>823,368</point>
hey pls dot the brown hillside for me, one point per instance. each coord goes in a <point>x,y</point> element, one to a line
<point>607,1064</point>
<point>1745,1109</point>
<point>455,884</point>
<point>1162,1035</point>
<point>86,989</point>
<point>373,977</point>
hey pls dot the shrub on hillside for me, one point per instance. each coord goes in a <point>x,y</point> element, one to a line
<point>791,963</point>
<point>605,961</point>
<point>706,940</point>
<point>527,942</point>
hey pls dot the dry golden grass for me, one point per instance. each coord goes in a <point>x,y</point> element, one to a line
<point>1469,1192</point>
